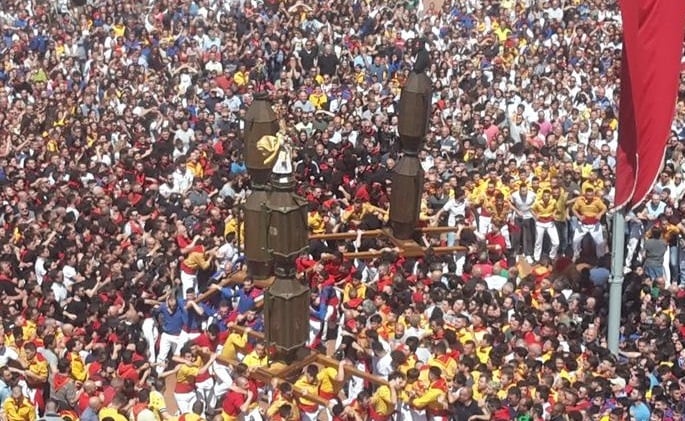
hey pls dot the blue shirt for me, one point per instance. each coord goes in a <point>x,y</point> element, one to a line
<point>89,415</point>
<point>172,323</point>
<point>193,320</point>
<point>246,302</point>
<point>5,392</point>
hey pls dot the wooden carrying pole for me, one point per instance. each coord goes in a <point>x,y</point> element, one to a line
<point>263,375</point>
<point>325,360</point>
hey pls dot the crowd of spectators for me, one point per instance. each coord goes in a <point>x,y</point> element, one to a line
<point>122,174</point>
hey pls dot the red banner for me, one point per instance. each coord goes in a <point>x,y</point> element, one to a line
<point>652,49</point>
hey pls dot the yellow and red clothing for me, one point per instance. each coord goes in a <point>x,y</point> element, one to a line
<point>544,211</point>
<point>381,406</point>
<point>190,416</point>
<point>327,387</point>
<point>254,360</point>
<point>38,366</point>
<point>230,407</point>
<point>310,388</point>
<point>278,402</point>
<point>185,376</point>
<point>316,223</point>
<point>113,413</point>
<point>589,210</point>
<point>234,341</point>
<point>430,400</point>
<point>357,215</point>
<point>446,363</point>
<point>597,185</point>
<point>195,261</point>
<point>79,371</point>
<point>19,411</point>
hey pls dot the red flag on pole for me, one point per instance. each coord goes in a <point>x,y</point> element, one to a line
<point>652,50</point>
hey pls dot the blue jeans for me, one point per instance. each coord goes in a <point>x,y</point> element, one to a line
<point>653,272</point>
<point>674,263</point>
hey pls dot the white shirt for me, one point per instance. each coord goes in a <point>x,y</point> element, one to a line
<point>455,208</point>
<point>60,291</point>
<point>39,270</point>
<point>6,354</point>
<point>69,275</point>
<point>182,181</point>
<point>226,254</point>
<point>522,205</point>
<point>676,190</point>
<point>383,366</point>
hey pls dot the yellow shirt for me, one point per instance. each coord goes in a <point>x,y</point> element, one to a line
<point>196,169</point>
<point>157,402</point>
<point>544,211</point>
<point>597,185</point>
<point>445,363</point>
<point>483,354</point>
<point>589,209</point>
<point>382,401</point>
<point>190,416</point>
<point>111,413</point>
<point>253,360</point>
<point>429,400</point>
<point>23,411</point>
<point>585,169</point>
<point>562,204</point>
<point>233,341</point>
<point>361,291</point>
<point>241,78</point>
<point>326,378</point>
<point>315,222</point>
<point>196,260</point>
<point>187,373</point>
<point>464,335</point>
<point>232,227</point>
<point>350,214</point>
<point>311,389</point>
<point>39,367</point>
<point>78,368</point>
<point>318,100</point>
<point>29,330</point>
<point>119,30</point>
<point>278,403</point>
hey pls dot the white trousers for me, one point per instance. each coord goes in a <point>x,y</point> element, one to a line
<point>185,401</point>
<point>150,333</point>
<point>189,336</point>
<point>188,281</point>
<point>165,343</point>
<point>223,376</point>
<point>542,228</point>
<point>630,249</point>
<point>484,224</point>
<point>595,231</point>
<point>667,267</point>
<point>505,233</point>
<point>314,330</point>
<point>309,416</point>
<point>206,390</point>
<point>408,413</point>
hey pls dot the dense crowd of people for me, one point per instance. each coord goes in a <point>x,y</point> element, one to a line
<point>123,175</point>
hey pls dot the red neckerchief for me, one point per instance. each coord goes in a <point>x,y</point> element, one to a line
<point>59,381</point>
<point>439,384</point>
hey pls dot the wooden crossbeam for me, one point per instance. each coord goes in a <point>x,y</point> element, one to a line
<point>263,375</point>
<point>324,360</point>
<point>348,235</point>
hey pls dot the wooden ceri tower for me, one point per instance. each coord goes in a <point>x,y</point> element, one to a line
<point>407,177</point>
<point>260,121</point>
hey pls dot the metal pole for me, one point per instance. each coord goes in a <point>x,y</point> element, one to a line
<point>616,282</point>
